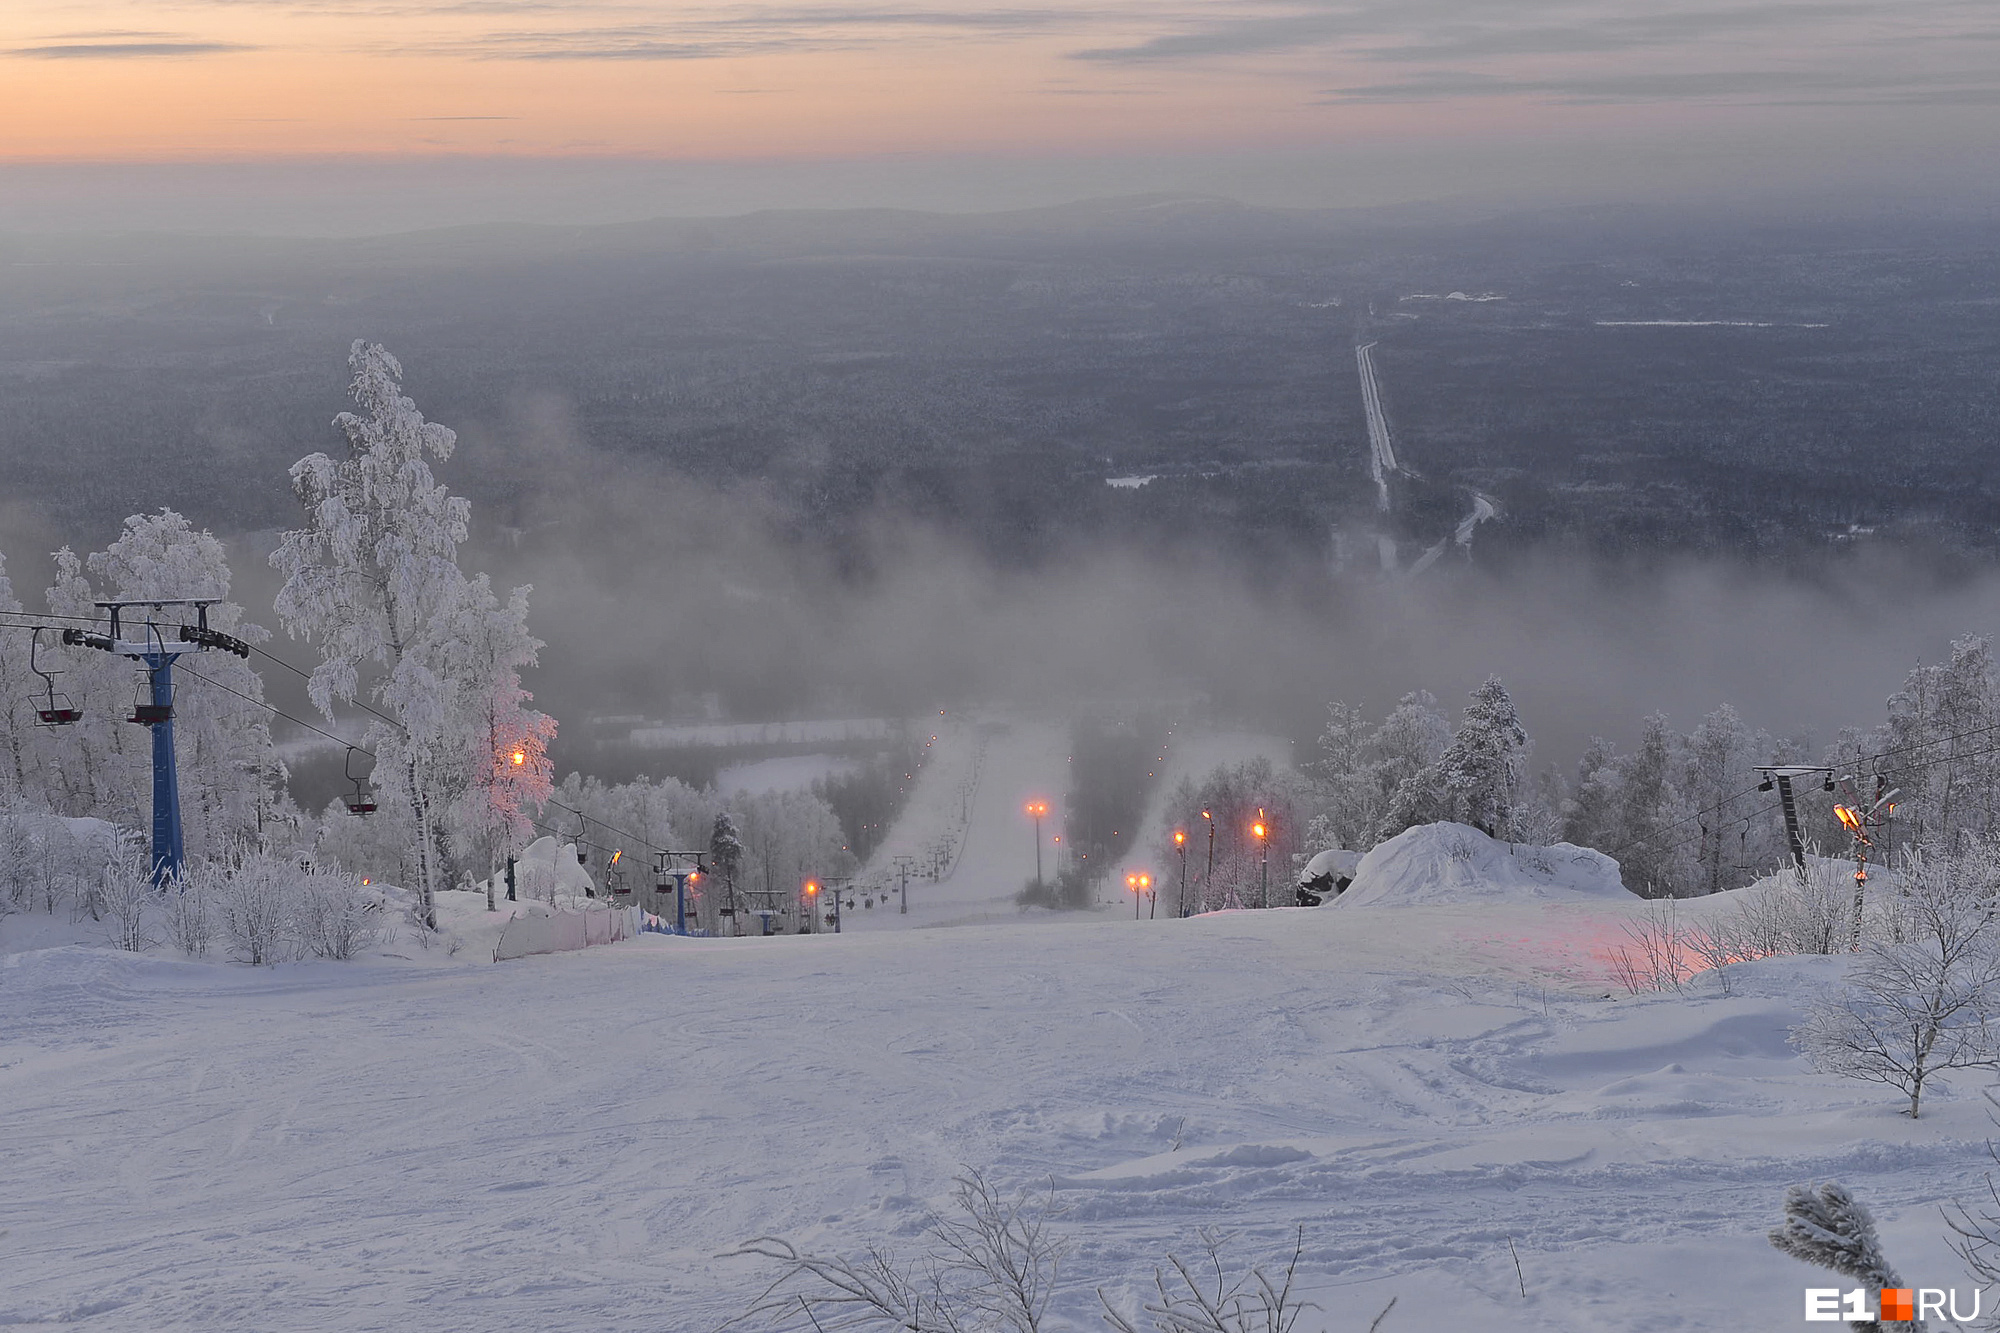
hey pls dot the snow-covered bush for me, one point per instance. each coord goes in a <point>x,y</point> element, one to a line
<point>188,915</point>
<point>1657,954</point>
<point>1923,1002</point>
<point>995,1265</point>
<point>45,863</point>
<point>129,898</point>
<point>333,916</point>
<point>270,909</point>
<point>253,908</point>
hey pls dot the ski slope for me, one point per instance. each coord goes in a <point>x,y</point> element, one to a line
<point>1381,446</point>
<point>570,1141</point>
<point>973,794</point>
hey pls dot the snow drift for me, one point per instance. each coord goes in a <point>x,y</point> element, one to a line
<point>1451,863</point>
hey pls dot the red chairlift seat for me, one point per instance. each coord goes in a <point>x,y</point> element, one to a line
<point>359,805</point>
<point>151,715</point>
<point>58,712</point>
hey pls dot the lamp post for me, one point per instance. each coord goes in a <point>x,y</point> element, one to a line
<point>811,892</point>
<point>1036,809</point>
<point>1208,876</point>
<point>1140,883</point>
<point>1262,833</point>
<point>1180,848</point>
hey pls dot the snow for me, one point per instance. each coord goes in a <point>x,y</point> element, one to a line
<point>1333,861</point>
<point>1454,863</point>
<point>571,1140</point>
<point>423,1138</point>
<point>792,772</point>
<point>556,865</point>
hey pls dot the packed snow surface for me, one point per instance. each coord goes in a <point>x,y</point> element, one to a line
<point>427,1140</point>
<point>1453,863</point>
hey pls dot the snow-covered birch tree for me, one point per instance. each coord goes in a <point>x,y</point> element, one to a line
<point>373,577</point>
<point>501,769</point>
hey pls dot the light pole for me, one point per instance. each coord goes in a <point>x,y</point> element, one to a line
<point>1140,883</point>
<point>812,904</point>
<point>1036,809</point>
<point>1262,833</point>
<point>1180,847</point>
<point>1208,876</point>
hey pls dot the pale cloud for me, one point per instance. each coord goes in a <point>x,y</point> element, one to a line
<point>127,50</point>
<point>1785,86</point>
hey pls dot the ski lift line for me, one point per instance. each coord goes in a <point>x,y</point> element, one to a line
<point>1697,814</point>
<point>273,708</point>
<point>320,731</point>
<point>1741,819</point>
<point>366,708</point>
<point>7,621</point>
<point>358,749</point>
<point>22,619</point>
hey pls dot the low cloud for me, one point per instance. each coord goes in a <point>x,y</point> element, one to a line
<point>127,50</point>
<point>1830,87</point>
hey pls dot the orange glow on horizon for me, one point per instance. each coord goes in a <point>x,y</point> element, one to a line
<point>120,80</point>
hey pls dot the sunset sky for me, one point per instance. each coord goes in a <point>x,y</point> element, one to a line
<point>1417,90</point>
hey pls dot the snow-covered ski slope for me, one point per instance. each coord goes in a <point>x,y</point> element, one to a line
<point>567,1142</point>
<point>976,790</point>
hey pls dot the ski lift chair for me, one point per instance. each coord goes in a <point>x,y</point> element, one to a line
<point>146,713</point>
<point>53,709</point>
<point>361,801</point>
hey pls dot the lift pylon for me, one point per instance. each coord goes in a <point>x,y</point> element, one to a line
<point>157,654</point>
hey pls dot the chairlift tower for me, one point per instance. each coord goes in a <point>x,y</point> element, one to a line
<point>154,651</point>
<point>1780,776</point>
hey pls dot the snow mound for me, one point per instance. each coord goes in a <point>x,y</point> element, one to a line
<point>1335,861</point>
<point>1453,863</point>
<point>542,867</point>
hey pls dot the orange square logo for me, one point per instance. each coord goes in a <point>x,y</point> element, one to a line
<point>1899,1305</point>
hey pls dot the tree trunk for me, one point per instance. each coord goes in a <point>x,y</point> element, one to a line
<point>426,899</point>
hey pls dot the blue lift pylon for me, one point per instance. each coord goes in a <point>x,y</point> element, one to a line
<point>158,654</point>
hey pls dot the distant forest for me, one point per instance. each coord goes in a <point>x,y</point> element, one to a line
<point>1634,385</point>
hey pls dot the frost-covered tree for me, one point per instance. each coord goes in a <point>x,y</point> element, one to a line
<point>222,735</point>
<point>1360,768</point>
<point>1475,780</point>
<point>1941,733</point>
<point>373,577</point>
<point>787,836</point>
<point>501,770</point>
<point>1716,764</point>
<point>101,766</point>
<point>1652,854</point>
<point>1924,1000</point>
<point>1233,794</point>
<point>725,853</point>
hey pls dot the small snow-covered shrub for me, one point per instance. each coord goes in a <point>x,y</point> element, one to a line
<point>253,908</point>
<point>334,917</point>
<point>1656,955</point>
<point>187,913</point>
<point>995,1264</point>
<point>129,899</point>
